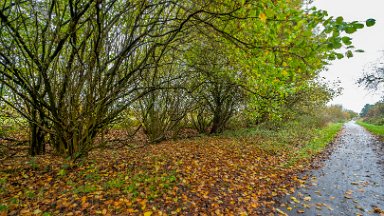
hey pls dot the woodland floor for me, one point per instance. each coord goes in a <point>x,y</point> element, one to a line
<point>351,182</point>
<point>198,176</point>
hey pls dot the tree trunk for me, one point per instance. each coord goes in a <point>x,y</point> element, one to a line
<point>217,124</point>
<point>37,142</point>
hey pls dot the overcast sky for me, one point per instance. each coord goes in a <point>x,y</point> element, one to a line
<point>371,40</point>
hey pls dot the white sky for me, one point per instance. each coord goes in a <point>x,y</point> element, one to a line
<point>371,40</point>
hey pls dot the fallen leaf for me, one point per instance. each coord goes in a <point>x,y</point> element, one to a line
<point>37,211</point>
<point>263,17</point>
<point>104,211</point>
<point>360,208</point>
<point>281,212</point>
<point>148,213</point>
<point>377,210</point>
<point>294,199</point>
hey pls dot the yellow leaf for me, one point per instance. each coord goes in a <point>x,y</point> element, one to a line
<point>243,214</point>
<point>263,17</point>
<point>37,211</point>
<point>281,212</point>
<point>104,212</point>
<point>143,204</point>
<point>148,213</point>
<point>217,212</point>
<point>254,205</point>
<point>308,198</point>
<point>295,200</point>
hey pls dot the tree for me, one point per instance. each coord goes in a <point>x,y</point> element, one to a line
<point>163,110</point>
<point>365,110</point>
<point>373,79</point>
<point>216,94</point>
<point>76,65</point>
<point>71,67</point>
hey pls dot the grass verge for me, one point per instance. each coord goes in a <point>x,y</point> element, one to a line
<point>322,137</point>
<point>375,129</point>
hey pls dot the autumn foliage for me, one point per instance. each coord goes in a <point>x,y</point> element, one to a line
<point>97,96</point>
<point>242,172</point>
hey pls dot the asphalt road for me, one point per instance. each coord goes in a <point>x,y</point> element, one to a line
<point>351,182</point>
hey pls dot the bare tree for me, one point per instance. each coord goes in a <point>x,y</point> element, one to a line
<point>373,79</point>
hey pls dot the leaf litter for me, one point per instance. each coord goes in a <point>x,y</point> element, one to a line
<point>196,176</point>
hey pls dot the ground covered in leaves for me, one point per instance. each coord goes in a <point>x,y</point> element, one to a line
<point>205,176</point>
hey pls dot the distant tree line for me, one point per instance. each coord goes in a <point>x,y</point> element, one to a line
<point>373,113</point>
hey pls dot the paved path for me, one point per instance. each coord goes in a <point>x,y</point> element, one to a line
<point>350,183</point>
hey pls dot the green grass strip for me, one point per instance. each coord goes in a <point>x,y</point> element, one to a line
<point>319,142</point>
<point>375,129</point>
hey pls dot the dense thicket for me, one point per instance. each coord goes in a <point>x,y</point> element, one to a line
<point>72,68</point>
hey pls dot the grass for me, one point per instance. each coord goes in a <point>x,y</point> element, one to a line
<point>302,136</point>
<point>375,129</point>
<point>300,139</point>
<point>322,137</point>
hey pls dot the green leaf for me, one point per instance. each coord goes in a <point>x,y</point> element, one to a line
<point>332,57</point>
<point>359,51</point>
<point>336,33</point>
<point>339,20</point>
<point>337,45</point>
<point>358,25</point>
<point>370,22</point>
<point>346,40</point>
<point>339,55</point>
<point>328,30</point>
<point>349,54</point>
<point>350,29</point>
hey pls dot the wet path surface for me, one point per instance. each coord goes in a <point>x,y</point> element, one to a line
<point>351,182</point>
